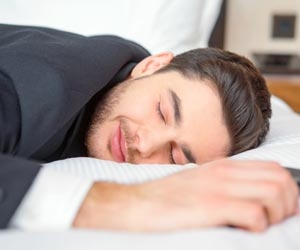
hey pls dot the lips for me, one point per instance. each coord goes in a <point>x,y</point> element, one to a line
<point>118,148</point>
<point>123,144</point>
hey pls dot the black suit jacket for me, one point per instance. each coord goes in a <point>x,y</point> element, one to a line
<point>48,79</point>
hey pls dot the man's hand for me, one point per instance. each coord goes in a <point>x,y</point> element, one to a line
<point>245,194</point>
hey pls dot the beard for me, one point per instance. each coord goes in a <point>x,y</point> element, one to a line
<point>104,108</point>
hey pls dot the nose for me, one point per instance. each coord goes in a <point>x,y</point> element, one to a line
<point>153,144</point>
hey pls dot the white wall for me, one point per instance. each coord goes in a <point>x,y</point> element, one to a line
<point>249,26</point>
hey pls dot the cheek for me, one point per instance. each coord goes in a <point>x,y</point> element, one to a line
<point>137,109</point>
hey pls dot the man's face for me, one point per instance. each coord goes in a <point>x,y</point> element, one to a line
<point>162,118</point>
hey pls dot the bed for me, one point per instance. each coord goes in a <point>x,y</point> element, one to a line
<point>282,143</point>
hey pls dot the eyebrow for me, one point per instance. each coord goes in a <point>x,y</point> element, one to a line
<point>176,104</point>
<point>188,154</point>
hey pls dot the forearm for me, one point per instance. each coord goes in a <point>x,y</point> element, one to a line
<point>110,206</point>
<point>246,194</point>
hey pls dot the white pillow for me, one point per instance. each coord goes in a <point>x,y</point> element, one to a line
<point>282,144</point>
<point>159,25</point>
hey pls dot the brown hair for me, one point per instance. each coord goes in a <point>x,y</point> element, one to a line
<point>244,95</point>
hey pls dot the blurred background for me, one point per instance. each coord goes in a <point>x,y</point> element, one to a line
<point>251,25</point>
<point>266,31</point>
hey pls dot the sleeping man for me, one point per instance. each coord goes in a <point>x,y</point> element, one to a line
<point>65,95</point>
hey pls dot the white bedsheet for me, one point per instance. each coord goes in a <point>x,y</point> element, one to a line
<point>282,237</point>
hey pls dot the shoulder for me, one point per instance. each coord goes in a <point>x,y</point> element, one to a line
<point>119,41</point>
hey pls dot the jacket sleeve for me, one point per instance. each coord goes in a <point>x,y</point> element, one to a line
<point>16,174</point>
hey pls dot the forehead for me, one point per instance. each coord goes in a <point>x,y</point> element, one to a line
<point>203,127</point>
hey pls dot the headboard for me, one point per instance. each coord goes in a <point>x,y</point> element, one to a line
<point>159,25</point>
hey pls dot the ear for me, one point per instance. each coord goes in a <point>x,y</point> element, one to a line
<point>151,64</point>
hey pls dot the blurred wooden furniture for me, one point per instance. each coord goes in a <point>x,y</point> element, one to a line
<point>286,87</point>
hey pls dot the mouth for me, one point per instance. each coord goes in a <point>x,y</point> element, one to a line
<point>118,145</point>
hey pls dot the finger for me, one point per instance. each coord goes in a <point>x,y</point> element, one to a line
<point>251,170</point>
<point>245,214</point>
<point>254,170</point>
<point>266,171</point>
<point>268,194</point>
<point>248,163</point>
<point>296,202</point>
<point>292,191</point>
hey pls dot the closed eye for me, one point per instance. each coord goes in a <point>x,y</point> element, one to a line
<point>171,157</point>
<point>161,116</point>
